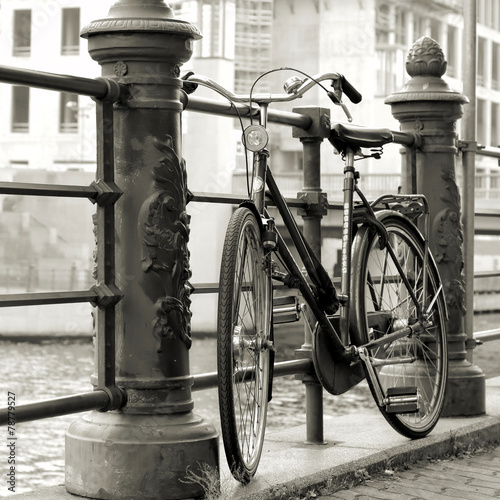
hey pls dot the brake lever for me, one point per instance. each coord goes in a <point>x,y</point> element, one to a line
<point>337,100</point>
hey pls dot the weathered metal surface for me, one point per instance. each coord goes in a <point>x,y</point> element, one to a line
<point>427,105</point>
<point>316,203</point>
<point>96,400</point>
<point>99,88</point>
<point>142,251</point>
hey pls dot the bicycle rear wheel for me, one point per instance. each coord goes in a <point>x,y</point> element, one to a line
<point>415,364</point>
<point>244,344</point>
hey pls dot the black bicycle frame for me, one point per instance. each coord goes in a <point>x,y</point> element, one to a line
<point>341,354</point>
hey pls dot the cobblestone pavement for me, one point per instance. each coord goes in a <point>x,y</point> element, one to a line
<point>471,476</point>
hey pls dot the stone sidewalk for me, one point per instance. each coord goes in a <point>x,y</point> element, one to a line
<point>470,476</point>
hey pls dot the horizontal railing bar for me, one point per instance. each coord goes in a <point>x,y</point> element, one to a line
<point>223,198</point>
<point>212,106</point>
<point>53,81</point>
<point>486,274</point>
<point>487,335</point>
<point>233,199</point>
<point>28,189</point>
<point>47,298</point>
<point>281,369</point>
<point>491,212</point>
<point>488,151</point>
<point>56,407</point>
<point>403,138</point>
<point>206,288</point>
<point>205,105</point>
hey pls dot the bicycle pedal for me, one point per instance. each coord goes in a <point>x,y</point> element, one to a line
<point>286,309</point>
<point>402,400</point>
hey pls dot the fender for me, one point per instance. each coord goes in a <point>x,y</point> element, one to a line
<point>251,206</point>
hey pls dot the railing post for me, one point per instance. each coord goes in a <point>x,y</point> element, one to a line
<point>428,106</point>
<point>316,201</point>
<point>146,448</point>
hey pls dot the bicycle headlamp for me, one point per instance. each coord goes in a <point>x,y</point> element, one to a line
<point>256,138</point>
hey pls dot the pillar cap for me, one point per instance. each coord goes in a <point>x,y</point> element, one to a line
<point>426,64</point>
<point>141,16</point>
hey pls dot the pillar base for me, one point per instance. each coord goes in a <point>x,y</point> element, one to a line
<point>465,391</point>
<point>116,456</point>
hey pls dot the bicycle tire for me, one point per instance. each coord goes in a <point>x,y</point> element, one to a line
<point>381,304</point>
<point>243,346</point>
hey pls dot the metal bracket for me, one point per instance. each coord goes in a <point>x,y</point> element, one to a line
<point>472,343</point>
<point>115,91</point>
<point>316,203</point>
<point>106,296</point>
<point>117,398</point>
<point>468,146</point>
<point>320,123</point>
<point>105,192</point>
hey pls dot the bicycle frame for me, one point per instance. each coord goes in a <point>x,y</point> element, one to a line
<point>262,176</point>
<point>342,354</point>
<point>340,350</point>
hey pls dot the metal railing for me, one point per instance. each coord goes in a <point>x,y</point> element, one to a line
<point>104,193</point>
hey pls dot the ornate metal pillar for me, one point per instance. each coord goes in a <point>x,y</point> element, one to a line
<point>428,106</point>
<point>145,449</point>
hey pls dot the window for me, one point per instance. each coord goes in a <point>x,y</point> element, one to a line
<point>70,36</point>
<point>452,52</point>
<point>68,113</point>
<point>495,131</point>
<point>20,109</point>
<point>383,24</point>
<point>22,33</point>
<point>401,26</point>
<point>481,62</point>
<point>495,66</point>
<point>480,179</point>
<point>481,122</point>
<point>390,70</point>
<point>436,30</point>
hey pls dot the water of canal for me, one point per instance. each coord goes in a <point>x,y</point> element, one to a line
<point>35,371</point>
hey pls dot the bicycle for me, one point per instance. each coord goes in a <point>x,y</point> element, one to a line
<point>387,323</point>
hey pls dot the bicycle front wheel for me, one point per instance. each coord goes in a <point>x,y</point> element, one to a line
<point>244,344</point>
<point>384,287</point>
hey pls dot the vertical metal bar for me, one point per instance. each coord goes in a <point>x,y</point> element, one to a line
<point>468,160</point>
<point>105,240</point>
<point>312,233</point>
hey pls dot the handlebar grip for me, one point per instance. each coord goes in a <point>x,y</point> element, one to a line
<point>350,91</point>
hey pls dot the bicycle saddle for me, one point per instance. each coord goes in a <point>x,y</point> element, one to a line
<point>354,137</point>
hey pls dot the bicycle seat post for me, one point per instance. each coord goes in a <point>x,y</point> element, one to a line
<point>349,183</point>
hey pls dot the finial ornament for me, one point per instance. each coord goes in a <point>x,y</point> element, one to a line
<point>426,58</point>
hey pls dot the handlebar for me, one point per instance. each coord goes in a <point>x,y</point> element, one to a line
<point>294,87</point>
<point>350,91</point>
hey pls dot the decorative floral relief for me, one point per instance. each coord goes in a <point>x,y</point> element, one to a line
<point>448,238</point>
<point>164,228</point>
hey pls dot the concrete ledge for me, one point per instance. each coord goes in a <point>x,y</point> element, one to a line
<point>355,443</point>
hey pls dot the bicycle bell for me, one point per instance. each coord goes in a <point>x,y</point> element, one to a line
<point>255,138</point>
<point>292,84</point>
